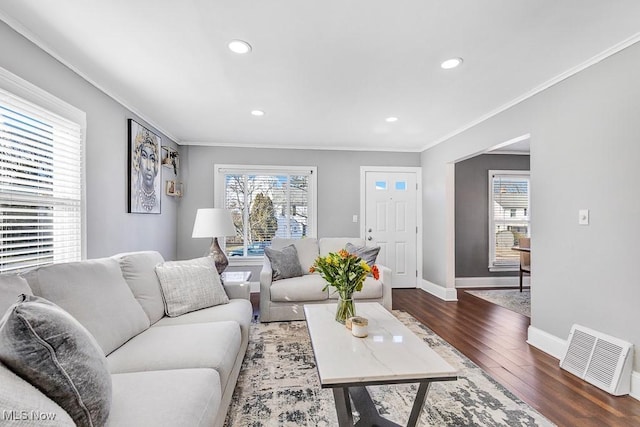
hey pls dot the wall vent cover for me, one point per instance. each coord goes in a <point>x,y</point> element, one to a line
<point>597,358</point>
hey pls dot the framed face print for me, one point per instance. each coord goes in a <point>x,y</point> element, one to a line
<point>145,188</point>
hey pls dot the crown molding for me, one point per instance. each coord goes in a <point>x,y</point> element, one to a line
<point>29,35</point>
<point>559,78</point>
<point>300,147</point>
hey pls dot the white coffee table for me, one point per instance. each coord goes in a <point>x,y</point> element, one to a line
<point>391,354</point>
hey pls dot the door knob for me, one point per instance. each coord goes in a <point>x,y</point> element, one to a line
<point>369,238</point>
<point>370,230</point>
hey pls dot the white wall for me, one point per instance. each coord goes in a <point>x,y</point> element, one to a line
<point>338,184</point>
<point>585,147</point>
<point>110,229</point>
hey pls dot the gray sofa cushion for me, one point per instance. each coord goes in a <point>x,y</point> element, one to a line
<point>212,345</point>
<point>11,287</point>
<point>50,349</point>
<point>298,289</point>
<point>138,269</point>
<point>307,249</point>
<point>284,263</point>
<point>367,253</point>
<point>190,285</point>
<point>181,397</point>
<point>20,399</point>
<point>96,294</point>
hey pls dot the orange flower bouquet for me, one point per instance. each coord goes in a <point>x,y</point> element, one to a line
<point>346,273</point>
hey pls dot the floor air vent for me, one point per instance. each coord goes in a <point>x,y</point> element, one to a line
<point>602,360</point>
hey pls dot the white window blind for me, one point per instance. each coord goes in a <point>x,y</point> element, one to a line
<point>266,202</point>
<point>508,216</point>
<point>40,186</point>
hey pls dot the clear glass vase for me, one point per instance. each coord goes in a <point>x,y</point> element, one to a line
<point>345,310</point>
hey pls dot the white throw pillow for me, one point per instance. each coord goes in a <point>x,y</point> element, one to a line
<point>190,285</point>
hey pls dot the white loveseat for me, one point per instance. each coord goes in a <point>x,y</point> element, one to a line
<point>283,299</point>
<point>165,371</point>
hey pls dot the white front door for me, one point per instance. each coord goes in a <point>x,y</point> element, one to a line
<point>390,221</point>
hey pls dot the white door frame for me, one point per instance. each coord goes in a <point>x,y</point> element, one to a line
<point>418,171</point>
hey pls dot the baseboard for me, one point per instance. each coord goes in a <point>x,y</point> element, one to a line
<point>635,385</point>
<point>556,347</point>
<point>491,282</point>
<point>446,294</point>
<point>546,342</point>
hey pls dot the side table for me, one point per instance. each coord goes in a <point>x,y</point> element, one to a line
<point>235,276</point>
<point>237,284</point>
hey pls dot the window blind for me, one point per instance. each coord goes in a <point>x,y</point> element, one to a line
<point>509,215</point>
<point>40,186</point>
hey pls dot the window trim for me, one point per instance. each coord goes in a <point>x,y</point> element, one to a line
<point>22,89</point>
<point>492,240</point>
<point>219,192</point>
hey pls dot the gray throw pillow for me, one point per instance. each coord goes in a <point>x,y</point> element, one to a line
<point>284,263</point>
<point>12,286</point>
<point>50,349</point>
<point>367,253</point>
<point>190,285</point>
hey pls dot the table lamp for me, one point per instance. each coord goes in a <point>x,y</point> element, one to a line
<point>214,223</point>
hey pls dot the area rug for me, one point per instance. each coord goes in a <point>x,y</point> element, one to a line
<point>278,386</point>
<point>511,299</point>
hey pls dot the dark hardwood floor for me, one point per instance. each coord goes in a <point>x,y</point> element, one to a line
<point>495,339</point>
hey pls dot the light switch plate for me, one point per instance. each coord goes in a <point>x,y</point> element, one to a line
<point>355,218</point>
<point>583,217</point>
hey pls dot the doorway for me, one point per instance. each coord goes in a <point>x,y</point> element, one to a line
<point>474,212</point>
<point>390,206</point>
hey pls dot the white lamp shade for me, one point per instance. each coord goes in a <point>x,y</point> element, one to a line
<point>213,222</point>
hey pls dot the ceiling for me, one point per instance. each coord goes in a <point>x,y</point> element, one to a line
<point>326,73</point>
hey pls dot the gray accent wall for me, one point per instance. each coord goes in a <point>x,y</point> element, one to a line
<point>472,211</point>
<point>585,133</point>
<point>110,229</point>
<point>338,184</point>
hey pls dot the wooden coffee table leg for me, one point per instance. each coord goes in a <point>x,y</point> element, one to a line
<point>343,406</point>
<point>418,403</point>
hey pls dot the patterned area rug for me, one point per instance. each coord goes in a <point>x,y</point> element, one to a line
<point>278,386</point>
<point>512,299</point>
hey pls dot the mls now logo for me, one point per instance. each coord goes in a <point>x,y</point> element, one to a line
<point>27,416</point>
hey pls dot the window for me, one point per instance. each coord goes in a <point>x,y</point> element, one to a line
<point>266,202</point>
<point>508,217</point>
<point>41,176</point>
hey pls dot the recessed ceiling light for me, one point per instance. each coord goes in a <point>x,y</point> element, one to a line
<point>239,46</point>
<point>451,63</point>
<point>391,119</point>
<point>257,113</point>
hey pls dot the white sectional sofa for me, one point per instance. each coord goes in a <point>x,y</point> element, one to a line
<point>282,300</point>
<point>165,371</point>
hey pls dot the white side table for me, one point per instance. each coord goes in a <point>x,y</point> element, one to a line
<point>235,277</point>
<point>237,284</point>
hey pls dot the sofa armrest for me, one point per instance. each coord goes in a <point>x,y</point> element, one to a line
<point>386,279</point>
<point>266,278</point>
<point>237,290</point>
